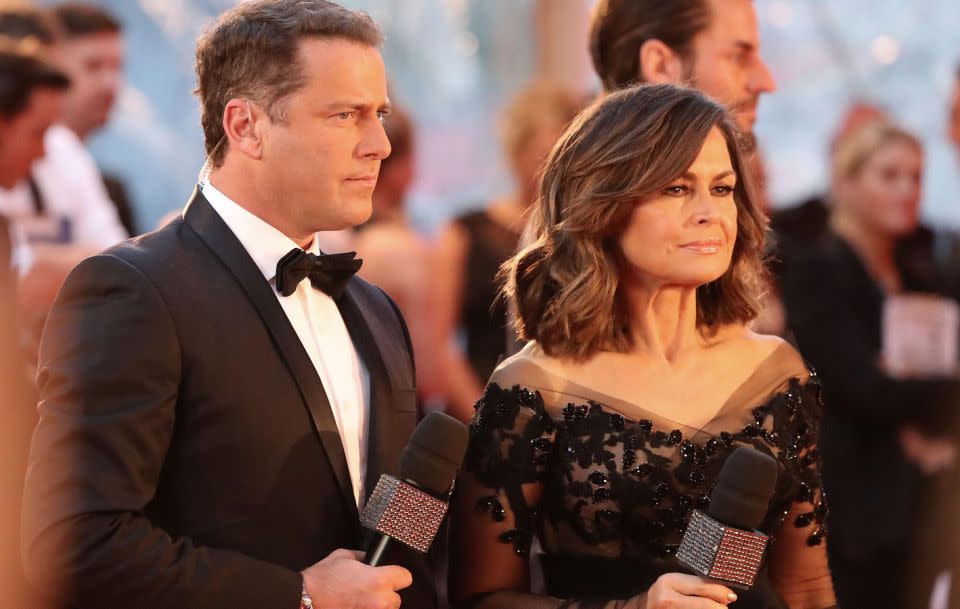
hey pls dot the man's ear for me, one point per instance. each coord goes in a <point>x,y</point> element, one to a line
<point>241,122</point>
<point>659,63</point>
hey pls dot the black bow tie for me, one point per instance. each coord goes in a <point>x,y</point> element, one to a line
<point>327,272</point>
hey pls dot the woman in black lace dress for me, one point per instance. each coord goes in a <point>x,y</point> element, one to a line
<point>612,424</point>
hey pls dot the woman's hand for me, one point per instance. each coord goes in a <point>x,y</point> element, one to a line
<point>681,591</point>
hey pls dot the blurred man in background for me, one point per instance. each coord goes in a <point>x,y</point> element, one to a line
<point>31,93</point>
<point>63,201</point>
<point>91,52</point>
<point>60,204</point>
<point>711,45</point>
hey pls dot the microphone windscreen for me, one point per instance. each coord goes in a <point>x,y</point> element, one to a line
<point>403,512</point>
<point>434,453</point>
<point>744,487</point>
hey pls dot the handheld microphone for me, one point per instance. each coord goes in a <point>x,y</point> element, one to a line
<point>722,543</point>
<point>410,507</point>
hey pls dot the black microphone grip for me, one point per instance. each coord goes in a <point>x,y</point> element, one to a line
<point>409,508</point>
<point>376,550</point>
<point>723,543</point>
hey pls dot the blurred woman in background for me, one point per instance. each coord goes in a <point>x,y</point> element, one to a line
<point>397,258</point>
<point>473,246</point>
<point>880,431</point>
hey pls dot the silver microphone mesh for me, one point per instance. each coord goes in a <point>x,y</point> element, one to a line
<point>721,552</point>
<point>404,512</point>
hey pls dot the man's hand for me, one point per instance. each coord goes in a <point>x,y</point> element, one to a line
<point>342,581</point>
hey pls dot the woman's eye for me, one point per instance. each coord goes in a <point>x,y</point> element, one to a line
<point>677,191</point>
<point>722,191</point>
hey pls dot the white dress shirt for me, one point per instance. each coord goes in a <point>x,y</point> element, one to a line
<point>319,325</point>
<point>72,187</point>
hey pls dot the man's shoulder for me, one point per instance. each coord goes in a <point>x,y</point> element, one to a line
<point>151,246</point>
<point>166,253</point>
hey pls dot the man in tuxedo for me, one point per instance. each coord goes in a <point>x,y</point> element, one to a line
<point>218,397</point>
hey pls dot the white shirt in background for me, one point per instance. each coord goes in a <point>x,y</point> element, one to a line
<point>72,187</point>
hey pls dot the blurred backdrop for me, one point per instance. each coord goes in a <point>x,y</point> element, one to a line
<point>454,63</point>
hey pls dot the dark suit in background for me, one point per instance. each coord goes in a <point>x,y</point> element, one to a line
<point>875,496</point>
<point>187,455</point>
<point>117,191</point>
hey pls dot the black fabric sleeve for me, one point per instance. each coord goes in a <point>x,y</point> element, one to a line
<point>817,293</point>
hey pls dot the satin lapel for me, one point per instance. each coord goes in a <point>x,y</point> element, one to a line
<point>387,429</point>
<point>220,239</point>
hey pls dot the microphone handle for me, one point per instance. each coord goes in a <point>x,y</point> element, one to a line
<point>375,552</point>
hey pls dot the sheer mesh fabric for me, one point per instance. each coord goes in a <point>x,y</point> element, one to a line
<point>601,483</point>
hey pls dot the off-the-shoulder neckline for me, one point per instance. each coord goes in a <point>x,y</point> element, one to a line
<point>763,384</point>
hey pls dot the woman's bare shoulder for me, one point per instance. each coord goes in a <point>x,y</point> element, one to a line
<point>757,350</point>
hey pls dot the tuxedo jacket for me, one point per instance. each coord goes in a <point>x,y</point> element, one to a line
<point>187,456</point>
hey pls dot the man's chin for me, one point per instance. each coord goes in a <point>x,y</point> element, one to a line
<point>746,123</point>
<point>357,212</point>
<point>748,141</point>
<point>745,115</point>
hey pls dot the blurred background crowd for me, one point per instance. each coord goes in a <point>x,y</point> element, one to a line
<point>857,137</point>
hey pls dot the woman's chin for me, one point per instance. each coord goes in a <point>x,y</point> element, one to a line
<point>702,278</point>
<point>689,282</point>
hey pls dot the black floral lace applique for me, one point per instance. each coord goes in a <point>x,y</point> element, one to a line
<point>609,478</point>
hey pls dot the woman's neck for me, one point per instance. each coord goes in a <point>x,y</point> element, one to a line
<point>875,249</point>
<point>663,320</point>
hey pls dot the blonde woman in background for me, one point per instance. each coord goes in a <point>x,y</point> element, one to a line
<point>880,432</point>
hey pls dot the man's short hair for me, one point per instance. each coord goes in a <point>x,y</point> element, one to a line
<point>23,69</point>
<point>252,51</point>
<point>79,19</point>
<point>23,22</point>
<point>618,28</point>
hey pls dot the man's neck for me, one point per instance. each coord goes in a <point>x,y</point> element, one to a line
<point>81,132</point>
<point>245,192</point>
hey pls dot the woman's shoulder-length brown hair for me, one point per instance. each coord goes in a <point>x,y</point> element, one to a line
<point>565,284</point>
